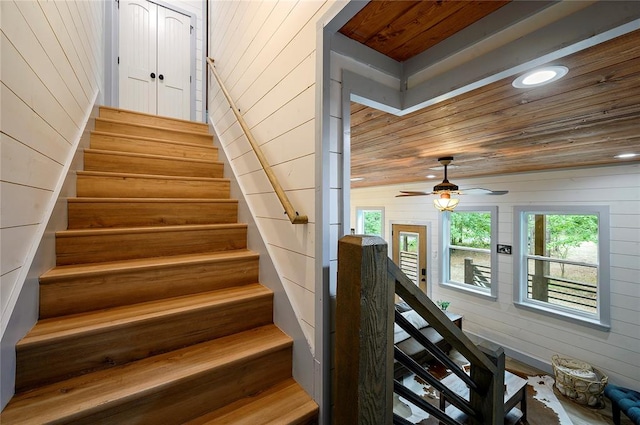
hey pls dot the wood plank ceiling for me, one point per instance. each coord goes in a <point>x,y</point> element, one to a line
<point>584,119</point>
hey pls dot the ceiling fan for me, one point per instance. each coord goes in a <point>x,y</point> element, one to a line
<point>446,188</point>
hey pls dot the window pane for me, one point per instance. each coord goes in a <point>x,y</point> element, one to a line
<point>564,236</point>
<point>372,222</point>
<point>471,229</point>
<point>409,255</point>
<point>568,285</point>
<point>470,267</point>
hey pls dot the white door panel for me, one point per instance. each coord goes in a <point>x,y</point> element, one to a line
<point>138,48</point>
<point>173,63</point>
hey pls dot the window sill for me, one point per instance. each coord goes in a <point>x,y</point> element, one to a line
<point>468,289</point>
<point>574,318</point>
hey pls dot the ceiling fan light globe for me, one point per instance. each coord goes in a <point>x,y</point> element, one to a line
<point>445,202</point>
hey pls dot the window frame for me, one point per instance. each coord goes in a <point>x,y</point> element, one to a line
<point>602,318</point>
<point>445,243</point>
<point>359,229</point>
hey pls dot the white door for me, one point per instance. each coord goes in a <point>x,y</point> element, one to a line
<point>155,54</point>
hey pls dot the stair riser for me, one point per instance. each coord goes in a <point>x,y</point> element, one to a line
<point>129,144</point>
<point>85,215</point>
<point>87,293</point>
<point>190,398</point>
<point>153,120</point>
<point>140,187</point>
<point>126,246</point>
<point>95,161</point>
<point>40,364</point>
<point>153,133</point>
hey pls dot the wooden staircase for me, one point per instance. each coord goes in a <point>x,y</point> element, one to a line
<point>154,313</point>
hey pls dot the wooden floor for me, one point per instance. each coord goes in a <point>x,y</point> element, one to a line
<point>580,415</point>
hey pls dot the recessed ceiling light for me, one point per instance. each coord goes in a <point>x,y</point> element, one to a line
<point>357,179</point>
<point>626,155</point>
<point>431,176</point>
<point>540,76</point>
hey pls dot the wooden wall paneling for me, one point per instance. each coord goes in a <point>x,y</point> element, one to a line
<point>299,78</point>
<point>51,48</point>
<point>250,30</point>
<point>22,205</point>
<point>14,248</point>
<point>87,55</point>
<point>7,283</point>
<point>291,115</point>
<point>23,124</point>
<point>303,298</point>
<point>26,166</point>
<point>278,233</point>
<point>83,62</point>
<point>226,13</point>
<point>252,62</point>
<point>255,183</point>
<point>289,145</point>
<point>67,44</point>
<point>287,62</point>
<point>297,174</point>
<point>238,25</point>
<point>24,82</point>
<point>302,270</point>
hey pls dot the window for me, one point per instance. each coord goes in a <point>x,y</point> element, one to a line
<point>468,262</point>
<point>561,262</point>
<point>370,221</point>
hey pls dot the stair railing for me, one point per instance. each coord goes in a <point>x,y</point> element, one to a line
<point>364,359</point>
<point>291,212</point>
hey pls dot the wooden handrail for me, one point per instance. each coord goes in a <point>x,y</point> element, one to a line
<point>293,215</point>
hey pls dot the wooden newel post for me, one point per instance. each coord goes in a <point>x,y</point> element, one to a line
<point>491,401</point>
<point>364,333</point>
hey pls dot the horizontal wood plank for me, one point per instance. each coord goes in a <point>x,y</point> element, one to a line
<point>94,246</point>
<point>106,184</point>
<point>85,213</point>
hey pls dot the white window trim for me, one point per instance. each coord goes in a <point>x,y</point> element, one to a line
<point>360,220</point>
<point>602,319</point>
<point>445,237</point>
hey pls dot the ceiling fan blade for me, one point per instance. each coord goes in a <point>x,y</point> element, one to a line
<point>483,191</point>
<point>413,193</point>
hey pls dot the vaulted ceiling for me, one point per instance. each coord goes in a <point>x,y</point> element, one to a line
<point>584,119</point>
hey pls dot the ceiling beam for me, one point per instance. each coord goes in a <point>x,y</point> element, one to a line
<point>587,27</point>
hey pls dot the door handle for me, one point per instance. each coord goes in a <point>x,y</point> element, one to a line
<point>161,77</point>
<point>153,75</point>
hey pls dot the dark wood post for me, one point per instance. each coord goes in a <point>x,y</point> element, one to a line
<point>489,401</point>
<point>364,333</point>
<point>468,270</point>
<point>539,283</point>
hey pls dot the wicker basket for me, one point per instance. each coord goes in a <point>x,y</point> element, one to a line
<point>579,381</point>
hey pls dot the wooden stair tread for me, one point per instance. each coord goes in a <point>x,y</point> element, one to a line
<point>284,403</point>
<point>150,176</point>
<point>91,269</point>
<point>108,110</point>
<point>155,140</point>
<point>148,229</point>
<point>86,199</point>
<point>153,127</point>
<point>71,399</point>
<point>91,322</point>
<point>150,156</point>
